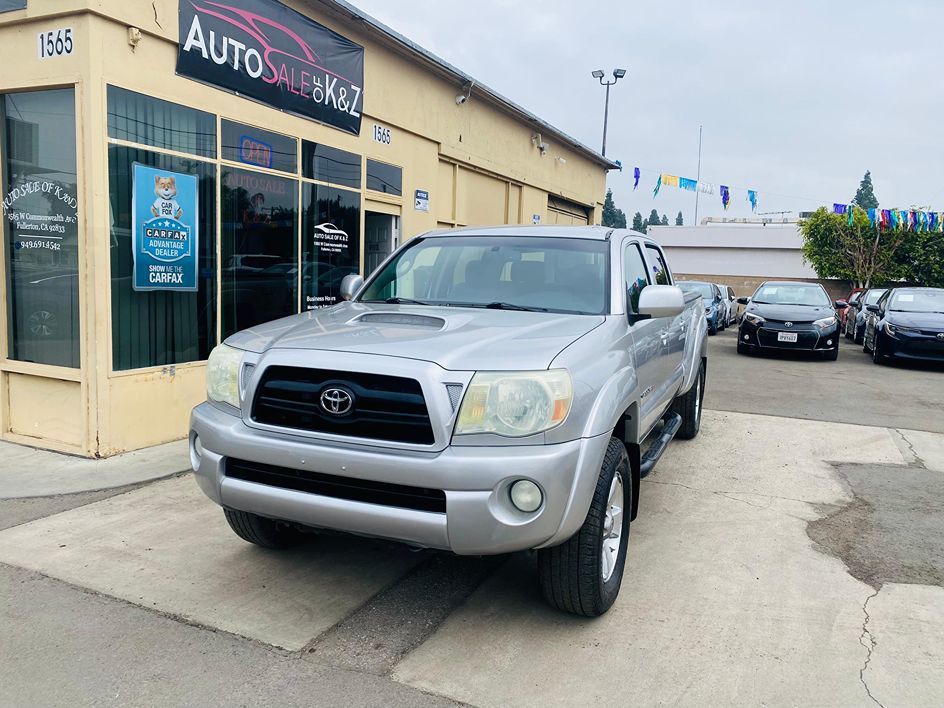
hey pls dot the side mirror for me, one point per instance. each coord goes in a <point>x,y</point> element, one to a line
<point>841,304</point>
<point>743,300</point>
<point>350,284</point>
<point>661,301</point>
<point>872,308</point>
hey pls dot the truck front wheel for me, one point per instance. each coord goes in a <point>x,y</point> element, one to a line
<point>261,531</point>
<point>583,575</point>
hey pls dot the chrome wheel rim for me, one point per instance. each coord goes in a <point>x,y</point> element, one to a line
<point>612,528</point>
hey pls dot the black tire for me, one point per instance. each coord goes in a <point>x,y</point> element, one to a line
<point>261,531</point>
<point>571,574</point>
<point>845,331</point>
<point>688,405</point>
<point>856,336</point>
<point>712,328</point>
<point>876,357</point>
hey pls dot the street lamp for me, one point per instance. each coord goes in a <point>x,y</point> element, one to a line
<point>617,75</point>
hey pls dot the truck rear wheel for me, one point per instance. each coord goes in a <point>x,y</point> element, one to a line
<point>261,531</point>
<point>583,575</point>
<point>688,405</point>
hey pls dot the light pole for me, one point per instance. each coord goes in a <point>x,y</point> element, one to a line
<point>617,75</point>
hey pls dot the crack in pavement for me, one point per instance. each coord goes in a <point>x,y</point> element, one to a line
<point>870,647</point>
<point>917,458</point>
<point>727,492</point>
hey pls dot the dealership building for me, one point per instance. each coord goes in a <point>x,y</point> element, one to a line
<point>173,172</point>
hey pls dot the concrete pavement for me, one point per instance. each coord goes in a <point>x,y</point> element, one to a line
<point>27,472</point>
<point>726,599</point>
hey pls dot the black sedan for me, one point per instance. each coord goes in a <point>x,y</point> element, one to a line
<point>906,323</point>
<point>790,316</point>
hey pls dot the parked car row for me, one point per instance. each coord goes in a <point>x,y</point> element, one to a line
<point>889,323</point>
<point>721,306</point>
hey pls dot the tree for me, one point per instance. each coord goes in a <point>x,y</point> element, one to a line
<point>665,220</point>
<point>680,220</point>
<point>859,252</point>
<point>638,224</point>
<point>612,217</point>
<point>921,259</point>
<point>865,196</point>
<point>654,219</point>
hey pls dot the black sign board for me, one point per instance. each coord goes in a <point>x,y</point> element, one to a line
<point>266,51</point>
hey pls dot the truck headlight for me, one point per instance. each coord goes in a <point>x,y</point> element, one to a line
<point>825,323</point>
<point>515,403</point>
<point>223,375</point>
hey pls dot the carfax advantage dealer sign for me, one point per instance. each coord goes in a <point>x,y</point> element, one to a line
<point>266,51</point>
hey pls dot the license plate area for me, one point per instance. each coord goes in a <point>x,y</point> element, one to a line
<point>787,337</point>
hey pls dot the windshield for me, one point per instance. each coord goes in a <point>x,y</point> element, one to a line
<point>872,296</point>
<point>918,301</point>
<point>799,294</point>
<point>703,289</point>
<point>549,274</point>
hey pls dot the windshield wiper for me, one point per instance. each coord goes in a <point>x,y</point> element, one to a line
<point>404,301</point>
<point>512,306</point>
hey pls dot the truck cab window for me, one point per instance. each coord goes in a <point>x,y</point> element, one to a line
<point>660,271</point>
<point>634,274</point>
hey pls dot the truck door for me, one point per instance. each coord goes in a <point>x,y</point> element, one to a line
<point>672,331</point>
<point>645,338</point>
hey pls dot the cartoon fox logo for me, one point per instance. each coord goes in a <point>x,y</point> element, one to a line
<point>165,206</point>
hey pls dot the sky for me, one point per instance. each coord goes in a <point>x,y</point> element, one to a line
<point>797,99</point>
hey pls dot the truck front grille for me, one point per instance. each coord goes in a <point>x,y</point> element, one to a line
<point>328,485</point>
<point>383,407</point>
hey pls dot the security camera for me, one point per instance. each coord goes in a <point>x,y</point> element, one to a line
<point>461,98</point>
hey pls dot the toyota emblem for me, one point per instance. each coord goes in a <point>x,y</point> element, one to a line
<point>336,401</point>
<point>787,324</point>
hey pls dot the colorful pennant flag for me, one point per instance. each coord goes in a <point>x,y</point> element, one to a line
<point>850,215</point>
<point>636,178</point>
<point>689,184</point>
<point>752,198</point>
<point>725,197</point>
<point>706,188</point>
<point>873,217</point>
<point>840,208</point>
<point>655,192</point>
<point>670,180</point>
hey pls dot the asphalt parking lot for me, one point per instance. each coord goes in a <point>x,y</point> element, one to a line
<point>777,560</point>
<point>852,389</point>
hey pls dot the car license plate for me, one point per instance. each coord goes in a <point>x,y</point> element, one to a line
<point>786,336</point>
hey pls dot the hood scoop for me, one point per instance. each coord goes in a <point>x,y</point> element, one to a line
<point>400,318</point>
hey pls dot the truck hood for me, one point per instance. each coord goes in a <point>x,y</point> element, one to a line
<point>455,338</point>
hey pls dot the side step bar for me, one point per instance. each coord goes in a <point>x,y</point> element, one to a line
<point>673,421</point>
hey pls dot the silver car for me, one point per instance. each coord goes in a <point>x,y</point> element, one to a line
<point>486,391</point>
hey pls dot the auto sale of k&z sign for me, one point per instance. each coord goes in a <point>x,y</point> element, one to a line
<point>266,51</point>
<point>165,235</point>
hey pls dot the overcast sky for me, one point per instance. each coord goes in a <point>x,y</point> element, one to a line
<point>798,99</point>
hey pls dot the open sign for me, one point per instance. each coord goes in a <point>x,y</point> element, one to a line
<point>254,152</point>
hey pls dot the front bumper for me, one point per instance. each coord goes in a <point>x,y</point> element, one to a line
<point>479,518</point>
<point>918,346</point>
<point>809,338</point>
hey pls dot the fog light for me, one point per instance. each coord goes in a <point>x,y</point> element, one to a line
<point>196,452</point>
<point>829,342</point>
<point>526,495</point>
<point>746,337</point>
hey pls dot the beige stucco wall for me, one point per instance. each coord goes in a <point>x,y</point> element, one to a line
<point>477,161</point>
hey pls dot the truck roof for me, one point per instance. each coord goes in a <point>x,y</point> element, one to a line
<point>599,233</point>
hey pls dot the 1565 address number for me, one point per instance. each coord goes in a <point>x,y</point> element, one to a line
<point>56,43</point>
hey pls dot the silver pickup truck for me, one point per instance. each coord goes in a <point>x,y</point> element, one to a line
<point>487,390</point>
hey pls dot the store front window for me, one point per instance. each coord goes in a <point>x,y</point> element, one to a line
<point>41,212</point>
<point>331,236</point>
<point>259,248</point>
